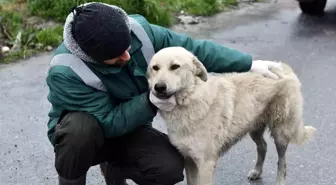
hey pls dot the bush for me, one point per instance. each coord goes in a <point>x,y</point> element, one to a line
<point>50,36</point>
<point>24,39</point>
<point>156,11</point>
<point>12,22</point>
<point>58,10</point>
<point>205,7</point>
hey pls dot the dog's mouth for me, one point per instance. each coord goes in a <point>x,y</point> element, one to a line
<point>163,96</point>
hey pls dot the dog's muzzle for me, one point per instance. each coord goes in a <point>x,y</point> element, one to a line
<point>160,91</point>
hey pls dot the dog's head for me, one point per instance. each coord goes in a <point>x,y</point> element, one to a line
<point>172,70</point>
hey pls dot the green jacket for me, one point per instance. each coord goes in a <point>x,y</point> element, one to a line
<point>124,105</point>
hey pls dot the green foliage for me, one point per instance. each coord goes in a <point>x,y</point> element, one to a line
<point>229,3</point>
<point>58,10</point>
<point>156,11</point>
<point>12,22</point>
<point>22,54</point>
<point>205,7</point>
<point>50,36</point>
<point>23,38</point>
<point>50,8</point>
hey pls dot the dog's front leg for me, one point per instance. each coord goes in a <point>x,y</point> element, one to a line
<point>191,172</point>
<point>206,171</point>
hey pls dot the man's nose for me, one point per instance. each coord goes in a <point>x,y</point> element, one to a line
<point>125,56</point>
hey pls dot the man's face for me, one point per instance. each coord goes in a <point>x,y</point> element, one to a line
<point>121,60</point>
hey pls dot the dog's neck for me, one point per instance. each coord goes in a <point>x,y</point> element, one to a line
<point>192,94</point>
<point>197,100</point>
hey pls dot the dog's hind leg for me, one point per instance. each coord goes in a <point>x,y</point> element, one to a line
<point>281,143</point>
<point>258,138</point>
<point>191,172</point>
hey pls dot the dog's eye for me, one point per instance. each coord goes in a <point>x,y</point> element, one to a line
<point>174,66</point>
<point>156,68</point>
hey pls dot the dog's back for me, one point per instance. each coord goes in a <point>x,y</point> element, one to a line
<point>275,103</point>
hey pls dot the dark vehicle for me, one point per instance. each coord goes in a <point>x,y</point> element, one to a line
<point>312,7</point>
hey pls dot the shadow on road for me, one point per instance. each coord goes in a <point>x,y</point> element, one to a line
<point>310,26</point>
<point>257,182</point>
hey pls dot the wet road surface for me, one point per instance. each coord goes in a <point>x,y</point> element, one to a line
<point>276,31</point>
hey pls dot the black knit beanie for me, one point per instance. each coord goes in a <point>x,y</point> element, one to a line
<point>101,31</point>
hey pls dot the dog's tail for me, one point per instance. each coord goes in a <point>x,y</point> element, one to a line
<point>303,134</point>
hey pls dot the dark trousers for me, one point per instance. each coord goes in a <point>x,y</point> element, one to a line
<point>145,155</point>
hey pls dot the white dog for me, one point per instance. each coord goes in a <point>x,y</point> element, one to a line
<point>214,112</point>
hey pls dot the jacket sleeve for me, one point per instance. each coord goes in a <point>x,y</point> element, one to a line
<point>68,92</point>
<point>215,57</point>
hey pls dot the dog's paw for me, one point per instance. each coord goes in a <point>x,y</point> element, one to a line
<point>254,174</point>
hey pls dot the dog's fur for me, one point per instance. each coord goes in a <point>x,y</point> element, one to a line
<point>214,112</point>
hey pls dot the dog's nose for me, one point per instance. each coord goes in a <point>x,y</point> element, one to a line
<point>160,87</point>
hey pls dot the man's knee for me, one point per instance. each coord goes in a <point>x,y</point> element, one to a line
<point>167,171</point>
<point>170,174</point>
<point>152,158</point>
<point>79,129</point>
<point>78,135</point>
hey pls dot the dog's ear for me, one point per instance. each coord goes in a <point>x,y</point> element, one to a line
<point>200,69</point>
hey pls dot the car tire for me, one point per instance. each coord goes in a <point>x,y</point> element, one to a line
<point>314,7</point>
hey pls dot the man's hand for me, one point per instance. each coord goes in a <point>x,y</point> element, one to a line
<point>263,66</point>
<point>163,104</point>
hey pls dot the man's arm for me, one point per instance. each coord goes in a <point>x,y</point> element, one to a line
<point>215,57</point>
<point>115,118</point>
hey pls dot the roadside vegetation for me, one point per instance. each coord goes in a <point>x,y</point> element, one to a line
<point>32,26</point>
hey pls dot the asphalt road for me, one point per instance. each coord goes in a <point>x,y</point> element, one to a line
<point>276,31</point>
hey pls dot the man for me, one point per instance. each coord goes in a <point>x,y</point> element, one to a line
<point>101,111</point>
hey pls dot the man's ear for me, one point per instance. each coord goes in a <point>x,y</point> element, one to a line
<point>200,69</point>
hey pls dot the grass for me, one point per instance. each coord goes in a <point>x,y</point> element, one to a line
<point>34,41</point>
<point>58,10</point>
<point>14,16</point>
<point>23,37</point>
<point>159,12</point>
<point>204,7</point>
<point>50,36</point>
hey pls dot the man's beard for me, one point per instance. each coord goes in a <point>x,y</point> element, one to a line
<point>120,63</point>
